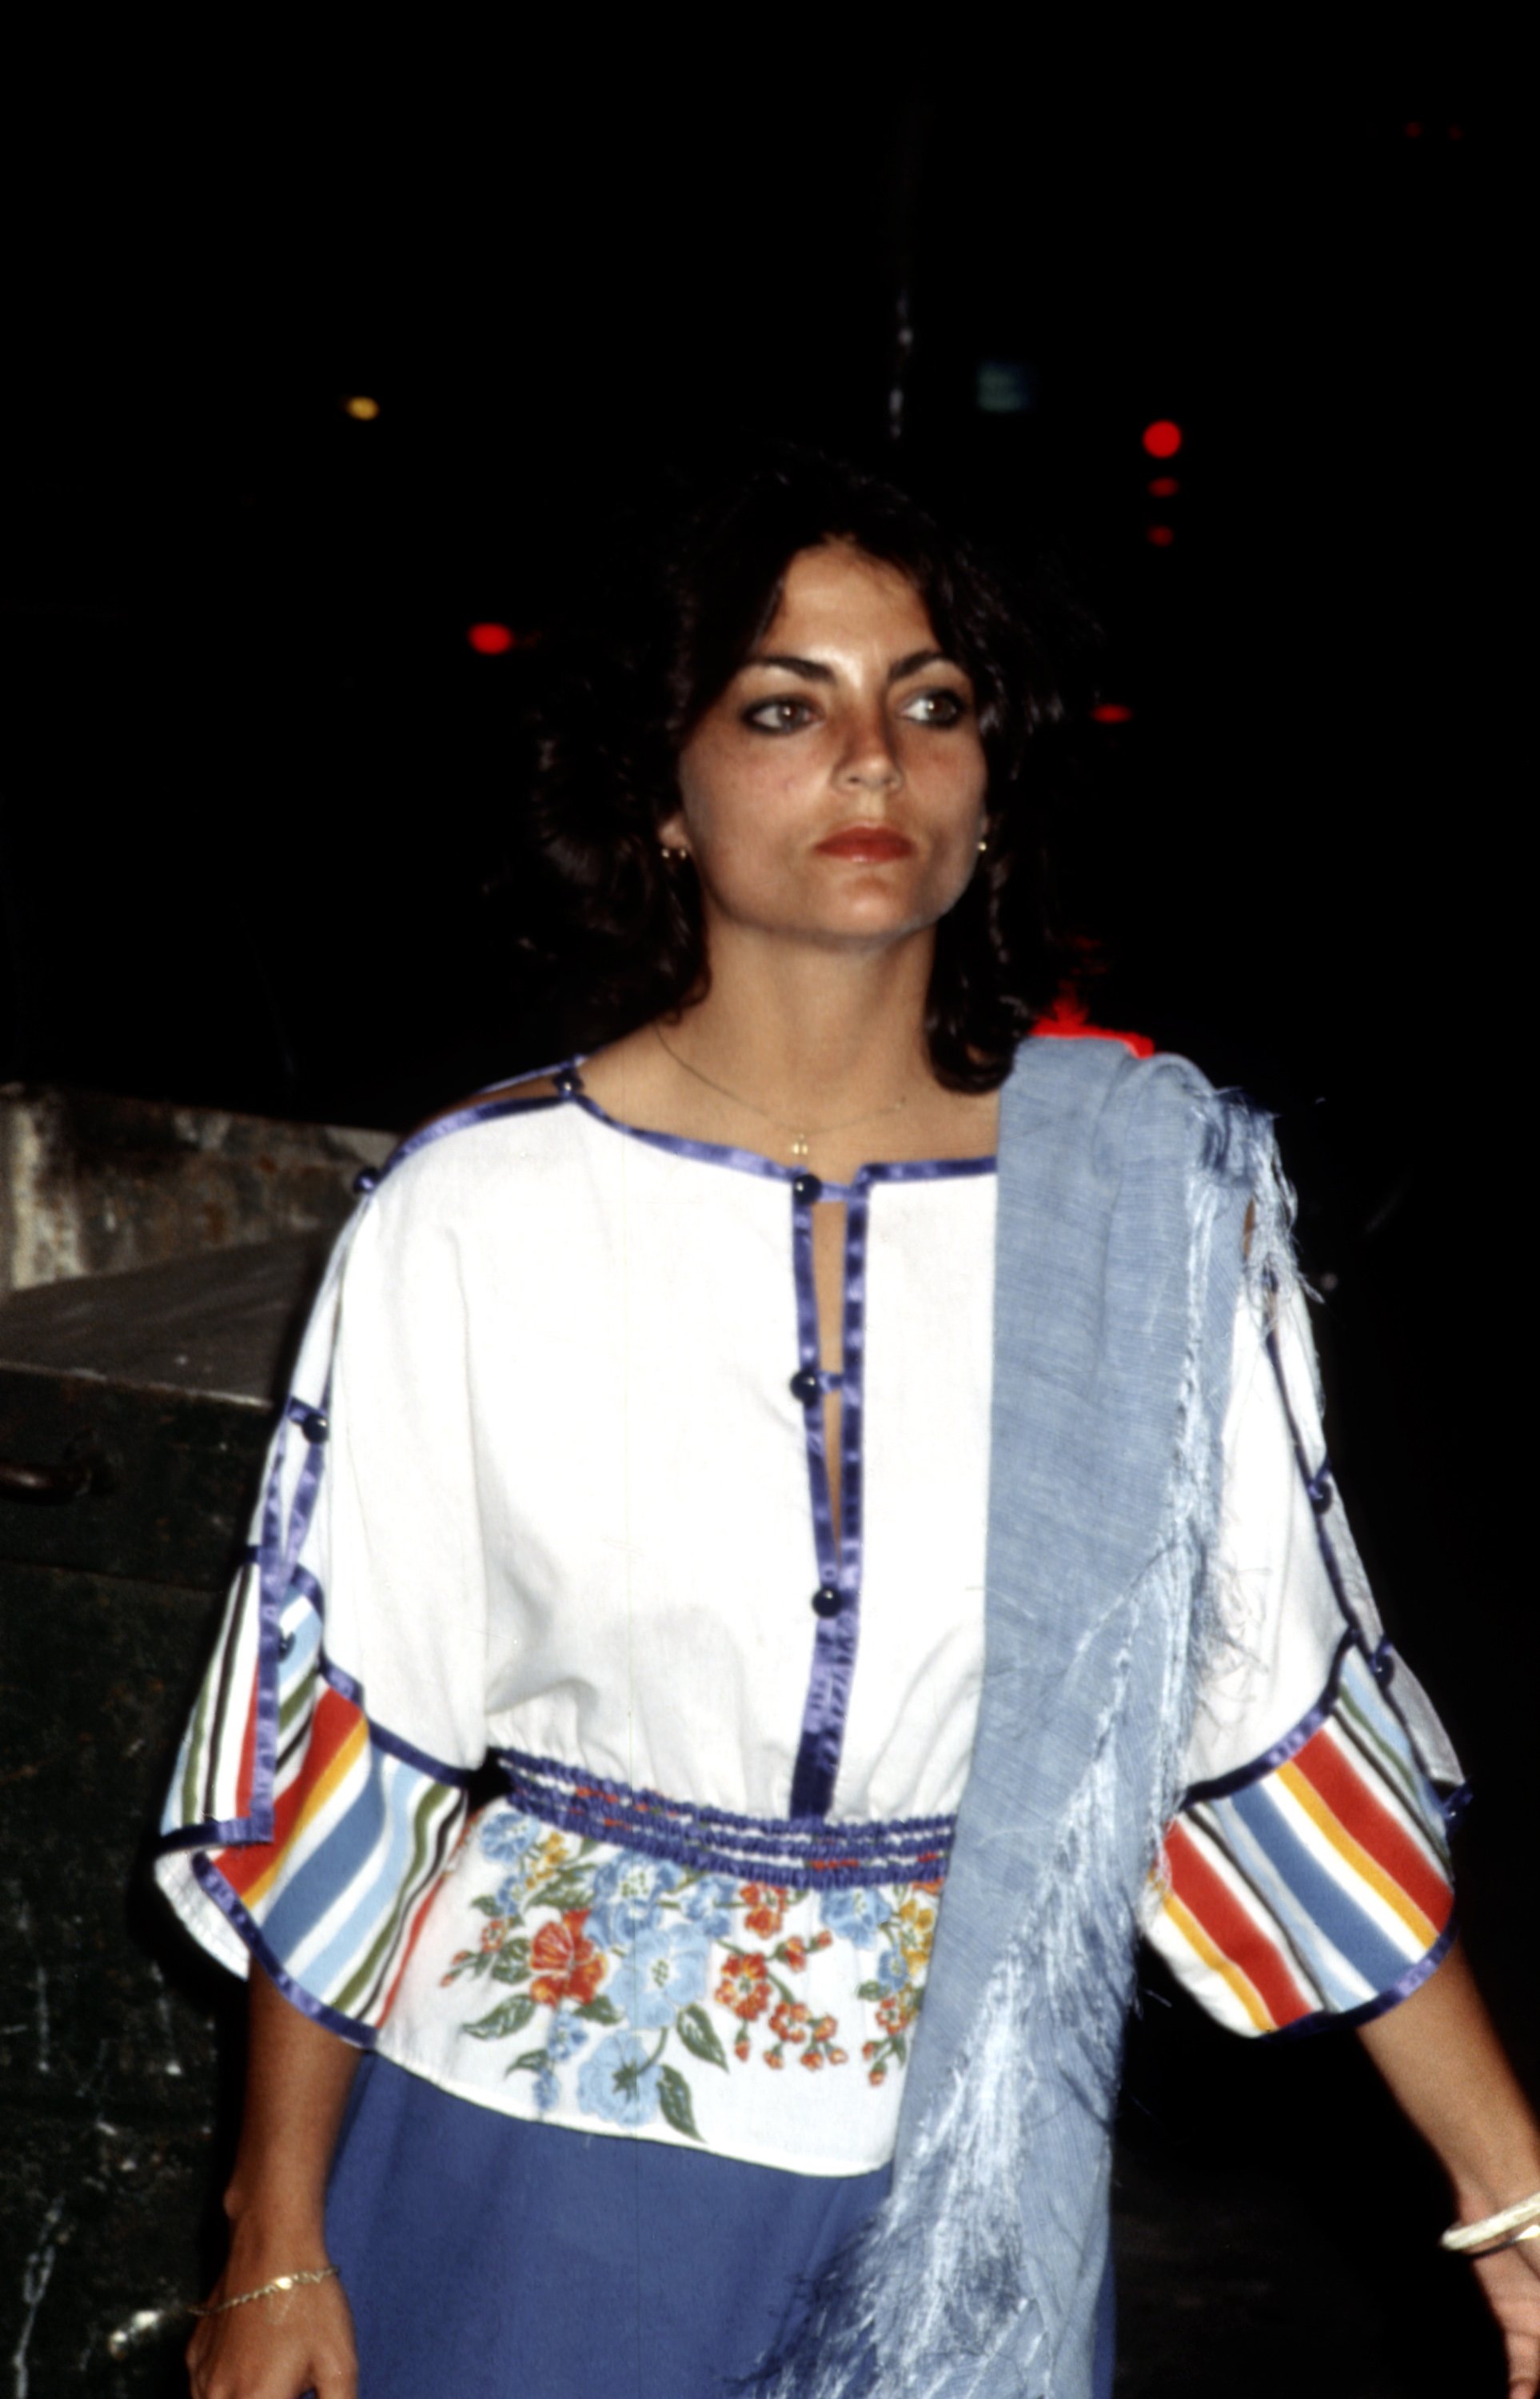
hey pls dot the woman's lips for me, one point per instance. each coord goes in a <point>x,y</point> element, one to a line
<point>868,845</point>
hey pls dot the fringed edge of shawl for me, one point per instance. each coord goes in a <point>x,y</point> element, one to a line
<point>937,2288</point>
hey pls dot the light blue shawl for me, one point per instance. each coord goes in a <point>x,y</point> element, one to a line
<point>1125,1187</point>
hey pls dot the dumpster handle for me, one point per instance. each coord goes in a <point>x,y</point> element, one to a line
<point>51,1485</point>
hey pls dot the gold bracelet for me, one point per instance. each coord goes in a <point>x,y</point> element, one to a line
<point>269,2290</point>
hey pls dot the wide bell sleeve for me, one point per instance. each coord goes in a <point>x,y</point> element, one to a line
<point>1306,1875</point>
<point>322,1780</point>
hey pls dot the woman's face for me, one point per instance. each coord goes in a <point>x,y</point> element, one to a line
<point>834,791</point>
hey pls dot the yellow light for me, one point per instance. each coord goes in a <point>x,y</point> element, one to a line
<point>361,406</point>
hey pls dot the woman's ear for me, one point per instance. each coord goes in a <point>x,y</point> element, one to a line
<point>673,834</point>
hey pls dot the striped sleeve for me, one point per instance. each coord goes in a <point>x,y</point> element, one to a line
<point>1306,1877</point>
<point>308,1820</point>
<point>1321,1887</point>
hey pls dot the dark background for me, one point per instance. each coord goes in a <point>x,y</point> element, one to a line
<point>258,779</point>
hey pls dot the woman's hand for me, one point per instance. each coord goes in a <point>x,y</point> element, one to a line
<point>1511,2282</point>
<point>276,2348</point>
<point>298,2076</point>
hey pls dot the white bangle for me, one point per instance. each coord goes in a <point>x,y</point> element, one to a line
<point>1508,2220</point>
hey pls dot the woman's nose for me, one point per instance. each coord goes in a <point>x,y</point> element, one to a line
<point>870,760</point>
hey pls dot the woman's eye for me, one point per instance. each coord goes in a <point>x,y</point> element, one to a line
<point>779,715</point>
<point>935,708</point>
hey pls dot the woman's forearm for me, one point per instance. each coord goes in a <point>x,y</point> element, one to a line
<point>1445,2066</point>
<point>298,2077</point>
<point>276,2345</point>
<point>1444,2063</point>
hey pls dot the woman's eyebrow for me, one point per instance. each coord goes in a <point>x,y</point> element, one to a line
<point>916,661</point>
<point>817,674</point>
<point>807,667</point>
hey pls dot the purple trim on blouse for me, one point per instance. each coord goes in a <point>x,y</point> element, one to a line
<point>314,1425</point>
<point>749,1162</point>
<point>533,1074</point>
<point>1453,1803</point>
<point>244,1833</point>
<point>570,1086</point>
<point>455,1778</point>
<point>1318,1489</point>
<point>278,1554</point>
<point>210,1832</point>
<point>362,2036</point>
<point>827,1705</point>
<point>343,1685</point>
<point>807,1361</point>
<point>270,1574</point>
<point>229,1644</point>
<point>1220,1786</point>
<point>708,1153</point>
<point>852,1390</point>
<point>1381,1661</point>
<point>304,1581</point>
<point>248,1832</point>
<point>708,1840</point>
<point>1383,2002</point>
<point>555,1769</point>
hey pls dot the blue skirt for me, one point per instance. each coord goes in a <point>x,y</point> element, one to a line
<point>493,2258</point>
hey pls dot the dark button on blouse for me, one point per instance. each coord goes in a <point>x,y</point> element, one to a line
<point>806,1188</point>
<point>825,1600</point>
<point>314,1426</point>
<point>804,1385</point>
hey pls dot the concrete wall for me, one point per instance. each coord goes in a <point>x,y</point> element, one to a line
<point>91,1183</point>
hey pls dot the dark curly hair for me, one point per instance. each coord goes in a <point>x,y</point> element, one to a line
<point>623,928</point>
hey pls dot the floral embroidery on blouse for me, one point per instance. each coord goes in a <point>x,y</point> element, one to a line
<point>645,1970</point>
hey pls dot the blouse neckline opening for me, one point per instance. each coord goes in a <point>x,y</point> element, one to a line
<point>570,1086</point>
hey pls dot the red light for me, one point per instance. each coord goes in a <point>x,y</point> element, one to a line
<point>1111,711</point>
<point>1456,132</point>
<point>491,641</point>
<point>1163,438</point>
<point>1067,1021</point>
<point>1163,487</point>
<point>1414,132</point>
<point>1161,535</point>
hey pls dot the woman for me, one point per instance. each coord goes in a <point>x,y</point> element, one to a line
<point>660,1429</point>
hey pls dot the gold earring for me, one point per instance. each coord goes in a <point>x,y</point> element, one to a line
<point>671,857</point>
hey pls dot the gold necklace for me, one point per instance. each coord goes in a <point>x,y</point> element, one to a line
<point>799,1140</point>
